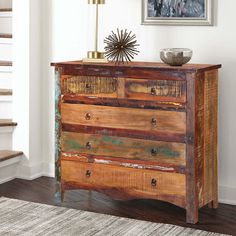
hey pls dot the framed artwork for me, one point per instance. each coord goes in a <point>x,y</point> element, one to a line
<point>177,12</point>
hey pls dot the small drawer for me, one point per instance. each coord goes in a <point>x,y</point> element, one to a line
<point>135,182</point>
<point>158,90</point>
<point>89,86</point>
<point>168,122</point>
<point>135,149</point>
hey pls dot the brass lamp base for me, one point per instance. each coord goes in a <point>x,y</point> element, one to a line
<point>95,57</point>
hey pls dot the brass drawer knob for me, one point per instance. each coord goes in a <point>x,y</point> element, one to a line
<point>88,173</point>
<point>154,182</point>
<point>153,91</point>
<point>88,116</point>
<point>154,122</point>
<point>88,145</point>
<point>154,151</point>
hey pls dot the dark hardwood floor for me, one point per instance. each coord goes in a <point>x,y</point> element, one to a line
<point>221,220</point>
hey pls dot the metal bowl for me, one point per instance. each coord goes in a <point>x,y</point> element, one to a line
<point>176,56</point>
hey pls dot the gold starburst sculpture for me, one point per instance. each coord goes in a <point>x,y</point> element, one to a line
<point>121,47</point>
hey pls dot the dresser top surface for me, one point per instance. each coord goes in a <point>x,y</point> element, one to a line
<point>142,65</point>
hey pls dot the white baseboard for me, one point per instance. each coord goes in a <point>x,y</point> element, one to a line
<point>227,195</point>
<point>29,172</point>
<point>48,170</point>
<point>33,172</point>
<point>8,169</point>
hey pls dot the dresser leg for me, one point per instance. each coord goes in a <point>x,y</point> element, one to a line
<point>192,215</point>
<point>213,204</point>
<point>62,193</point>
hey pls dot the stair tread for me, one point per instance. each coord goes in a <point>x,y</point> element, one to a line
<point>6,154</point>
<point>5,63</point>
<point>5,9</point>
<point>7,36</point>
<point>5,92</point>
<point>7,122</point>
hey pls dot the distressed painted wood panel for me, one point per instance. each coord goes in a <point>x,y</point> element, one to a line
<point>124,118</point>
<point>199,137</point>
<point>139,130</point>
<point>137,183</point>
<point>123,162</point>
<point>210,138</point>
<point>114,102</point>
<point>192,204</point>
<point>162,90</point>
<point>137,149</point>
<point>58,193</point>
<point>89,86</point>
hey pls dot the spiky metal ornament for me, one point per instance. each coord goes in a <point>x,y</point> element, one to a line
<point>121,47</point>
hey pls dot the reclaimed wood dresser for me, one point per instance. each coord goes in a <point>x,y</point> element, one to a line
<point>138,130</point>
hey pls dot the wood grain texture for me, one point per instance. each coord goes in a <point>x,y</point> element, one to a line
<point>153,108</point>
<point>124,118</point>
<point>7,122</point>
<point>210,139</point>
<point>59,193</point>
<point>140,66</point>
<point>5,92</point>
<point>113,102</point>
<point>123,162</point>
<point>5,63</point>
<point>191,188</point>
<point>199,137</point>
<point>4,35</point>
<point>137,149</point>
<point>7,154</point>
<point>136,183</point>
<point>161,90</point>
<point>89,86</point>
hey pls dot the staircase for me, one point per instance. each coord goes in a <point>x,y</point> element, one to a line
<point>8,157</point>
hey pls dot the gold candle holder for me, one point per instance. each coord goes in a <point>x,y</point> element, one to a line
<point>96,56</point>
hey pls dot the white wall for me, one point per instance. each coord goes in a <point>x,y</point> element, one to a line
<point>65,37</point>
<point>27,81</point>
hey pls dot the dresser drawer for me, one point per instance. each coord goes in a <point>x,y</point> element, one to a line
<point>89,86</point>
<point>156,90</point>
<point>124,118</point>
<point>136,149</point>
<point>137,182</point>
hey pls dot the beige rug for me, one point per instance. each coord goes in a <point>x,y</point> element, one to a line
<point>33,219</point>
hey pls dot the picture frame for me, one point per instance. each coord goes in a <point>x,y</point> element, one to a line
<point>177,12</point>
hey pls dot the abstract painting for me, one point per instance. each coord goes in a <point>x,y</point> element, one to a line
<point>177,12</point>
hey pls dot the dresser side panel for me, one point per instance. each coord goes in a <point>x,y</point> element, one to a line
<point>191,175</point>
<point>59,192</point>
<point>211,136</point>
<point>199,137</point>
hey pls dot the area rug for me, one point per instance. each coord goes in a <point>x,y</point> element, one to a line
<point>33,219</point>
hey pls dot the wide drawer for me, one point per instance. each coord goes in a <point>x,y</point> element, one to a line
<point>138,183</point>
<point>136,149</point>
<point>89,86</point>
<point>157,90</point>
<point>124,118</point>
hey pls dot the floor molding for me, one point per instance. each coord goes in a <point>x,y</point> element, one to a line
<point>227,195</point>
<point>8,169</point>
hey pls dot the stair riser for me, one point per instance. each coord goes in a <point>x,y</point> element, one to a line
<point>5,24</point>
<point>6,138</point>
<point>5,51</point>
<point>5,80</point>
<point>5,107</point>
<point>8,170</point>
